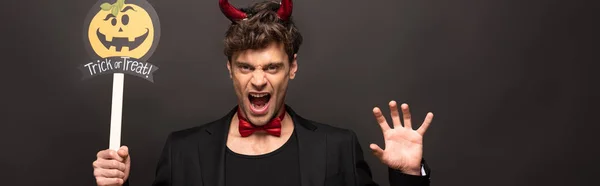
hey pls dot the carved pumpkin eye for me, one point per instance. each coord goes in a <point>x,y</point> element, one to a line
<point>113,21</point>
<point>125,19</point>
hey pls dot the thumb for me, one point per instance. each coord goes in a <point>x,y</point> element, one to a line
<point>123,152</point>
<point>377,151</point>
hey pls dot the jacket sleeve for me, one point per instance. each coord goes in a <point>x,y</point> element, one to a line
<point>163,169</point>
<point>396,178</point>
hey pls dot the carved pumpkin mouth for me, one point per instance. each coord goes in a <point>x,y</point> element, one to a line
<point>120,42</point>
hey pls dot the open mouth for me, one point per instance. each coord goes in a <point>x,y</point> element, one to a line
<point>119,42</point>
<point>259,102</point>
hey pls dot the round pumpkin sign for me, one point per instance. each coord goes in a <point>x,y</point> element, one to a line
<point>123,29</point>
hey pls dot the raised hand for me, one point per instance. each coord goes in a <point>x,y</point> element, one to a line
<point>111,168</point>
<point>403,145</point>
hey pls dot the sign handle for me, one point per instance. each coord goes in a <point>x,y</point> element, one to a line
<point>116,111</point>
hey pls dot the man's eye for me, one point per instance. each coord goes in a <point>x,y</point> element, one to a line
<point>272,68</point>
<point>245,68</point>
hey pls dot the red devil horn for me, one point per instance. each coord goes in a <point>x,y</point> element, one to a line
<point>231,12</point>
<point>285,10</point>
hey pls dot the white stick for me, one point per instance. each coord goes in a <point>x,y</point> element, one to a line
<point>116,111</point>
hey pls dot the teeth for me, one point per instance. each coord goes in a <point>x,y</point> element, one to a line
<point>109,38</point>
<point>259,95</point>
<point>131,39</point>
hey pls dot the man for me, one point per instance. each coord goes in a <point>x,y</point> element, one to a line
<point>262,141</point>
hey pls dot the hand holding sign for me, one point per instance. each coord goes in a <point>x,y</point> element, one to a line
<point>112,167</point>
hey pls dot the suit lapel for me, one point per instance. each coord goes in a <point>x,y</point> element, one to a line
<point>312,151</point>
<point>211,151</point>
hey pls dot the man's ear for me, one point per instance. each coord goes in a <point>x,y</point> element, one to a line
<point>294,67</point>
<point>229,69</point>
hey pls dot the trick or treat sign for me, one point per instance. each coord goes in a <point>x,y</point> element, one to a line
<point>120,36</point>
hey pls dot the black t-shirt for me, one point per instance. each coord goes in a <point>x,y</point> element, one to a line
<point>277,168</point>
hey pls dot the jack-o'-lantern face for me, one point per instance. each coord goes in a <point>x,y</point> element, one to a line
<point>130,33</point>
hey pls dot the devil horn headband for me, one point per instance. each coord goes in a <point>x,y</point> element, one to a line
<point>284,12</point>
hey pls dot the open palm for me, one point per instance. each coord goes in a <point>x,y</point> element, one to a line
<point>403,145</point>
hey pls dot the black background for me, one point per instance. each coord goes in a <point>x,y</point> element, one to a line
<point>512,84</point>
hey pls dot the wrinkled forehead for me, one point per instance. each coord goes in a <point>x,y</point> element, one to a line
<point>273,53</point>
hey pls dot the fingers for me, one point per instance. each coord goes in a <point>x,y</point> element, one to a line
<point>425,124</point>
<point>109,173</point>
<point>100,181</point>
<point>109,155</point>
<point>377,151</point>
<point>109,164</point>
<point>111,167</point>
<point>380,119</point>
<point>395,114</point>
<point>406,116</point>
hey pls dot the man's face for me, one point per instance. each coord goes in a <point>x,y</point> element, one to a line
<point>260,79</point>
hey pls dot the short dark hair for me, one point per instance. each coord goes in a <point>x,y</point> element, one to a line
<point>262,27</point>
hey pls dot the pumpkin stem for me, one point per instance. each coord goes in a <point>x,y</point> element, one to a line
<point>114,8</point>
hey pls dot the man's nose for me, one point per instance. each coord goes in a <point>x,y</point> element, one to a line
<point>259,79</point>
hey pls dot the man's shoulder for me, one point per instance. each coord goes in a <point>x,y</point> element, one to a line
<point>320,127</point>
<point>193,132</point>
<point>331,130</point>
<point>216,125</point>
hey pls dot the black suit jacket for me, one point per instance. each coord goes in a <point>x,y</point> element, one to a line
<point>328,156</point>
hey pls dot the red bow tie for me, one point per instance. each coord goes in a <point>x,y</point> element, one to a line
<point>273,127</point>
